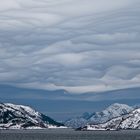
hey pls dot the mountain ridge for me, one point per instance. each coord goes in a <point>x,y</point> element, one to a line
<point>114,110</point>
<point>24,117</point>
<point>124,122</point>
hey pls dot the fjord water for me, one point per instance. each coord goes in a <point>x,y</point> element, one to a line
<point>68,134</point>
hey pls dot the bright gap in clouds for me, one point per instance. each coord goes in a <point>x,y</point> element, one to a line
<point>75,45</point>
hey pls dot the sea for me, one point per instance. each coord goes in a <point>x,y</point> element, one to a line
<point>68,134</point>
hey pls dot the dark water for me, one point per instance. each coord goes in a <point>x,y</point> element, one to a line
<point>68,134</point>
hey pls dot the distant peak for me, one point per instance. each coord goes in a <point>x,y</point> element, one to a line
<point>119,105</point>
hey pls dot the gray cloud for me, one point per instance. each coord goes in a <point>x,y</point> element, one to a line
<point>75,45</point>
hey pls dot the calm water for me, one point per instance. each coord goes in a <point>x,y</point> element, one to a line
<point>64,134</point>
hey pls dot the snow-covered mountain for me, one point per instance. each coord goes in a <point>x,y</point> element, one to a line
<point>23,117</point>
<point>113,111</point>
<point>78,121</point>
<point>128,121</point>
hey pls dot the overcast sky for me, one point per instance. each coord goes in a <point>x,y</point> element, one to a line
<point>75,45</point>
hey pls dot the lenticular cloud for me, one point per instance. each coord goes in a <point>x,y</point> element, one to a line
<point>75,45</point>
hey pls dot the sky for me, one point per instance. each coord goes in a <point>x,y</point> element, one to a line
<point>74,46</point>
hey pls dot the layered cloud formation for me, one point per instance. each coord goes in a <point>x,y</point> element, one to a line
<point>76,45</point>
